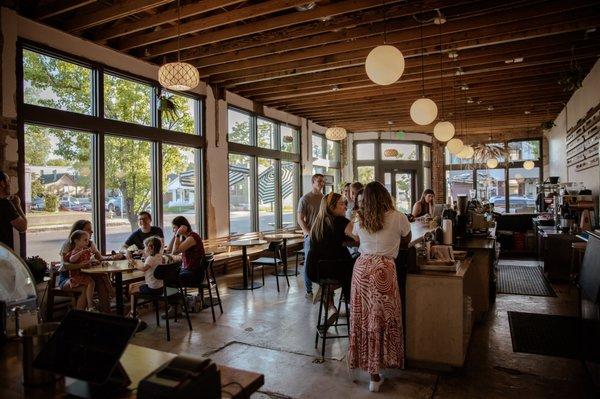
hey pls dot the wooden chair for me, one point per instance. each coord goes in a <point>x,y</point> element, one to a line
<point>54,291</point>
<point>169,274</point>
<point>276,261</point>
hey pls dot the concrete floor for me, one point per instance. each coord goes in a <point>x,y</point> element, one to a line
<point>273,333</point>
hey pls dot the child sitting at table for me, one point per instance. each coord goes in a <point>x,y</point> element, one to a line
<point>80,254</point>
<point>152,285</point>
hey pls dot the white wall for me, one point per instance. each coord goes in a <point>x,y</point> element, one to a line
<point>14,26</point>
<point>585,98</point>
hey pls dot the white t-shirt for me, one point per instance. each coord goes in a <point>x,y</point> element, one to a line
<point>385,242</point>
<point>153,261</point>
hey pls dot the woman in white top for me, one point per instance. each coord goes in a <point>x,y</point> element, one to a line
<point>376,336</point>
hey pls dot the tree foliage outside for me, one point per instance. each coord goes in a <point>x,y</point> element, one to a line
<point>59,84</point>
<point>366,174</point>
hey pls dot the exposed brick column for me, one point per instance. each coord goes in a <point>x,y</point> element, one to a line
<point>438,174</point>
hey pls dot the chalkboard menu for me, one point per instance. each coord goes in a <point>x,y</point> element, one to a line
<point>582,141</point>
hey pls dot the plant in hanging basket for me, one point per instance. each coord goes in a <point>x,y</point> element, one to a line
<point>167,106</point>
<point>483,152</point>
<point>547,125</point>
<point>288,139</point>
<point>572,79</point>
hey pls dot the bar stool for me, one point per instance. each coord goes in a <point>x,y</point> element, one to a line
<point>298,253</point>
<point>327,286</point>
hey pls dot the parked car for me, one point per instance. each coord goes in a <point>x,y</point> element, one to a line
<point>85,204</point>
<point>68,203</point>
<point>113,204</point>
<point>38,204</point>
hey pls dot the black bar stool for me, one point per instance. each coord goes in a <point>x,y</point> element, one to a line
<point>327,286</point>
<point>275,261</point>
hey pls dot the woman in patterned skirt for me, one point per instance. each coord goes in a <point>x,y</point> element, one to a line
<point>376,335</point>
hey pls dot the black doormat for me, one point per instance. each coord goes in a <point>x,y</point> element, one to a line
<point>523,280</point>
<point>562,336</point>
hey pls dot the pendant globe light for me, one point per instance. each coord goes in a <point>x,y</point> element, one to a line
<point>178,75</point>
<point>466,153</point>
<point>384,64</point>
<point>423,111</point>
<point>528,165</point>
<point>454,146</point>
<point>443,130</point>
<point>336,133</point>
<point>491,163</point>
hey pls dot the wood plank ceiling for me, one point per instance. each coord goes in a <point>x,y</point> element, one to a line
<point>491,63</point>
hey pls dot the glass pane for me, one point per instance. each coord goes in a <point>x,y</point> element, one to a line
<point>179,186</point>
<point>58,186</point>
<point>426,178</point>
<point>426,153</point>
<point>387,178</point>
<point>491,187</point>
<point>335,172</point>
<point>333,151</point>
<point>522,189</point>
<point>398,152</point>
<point>128,187</point>
<point>524,150</point>
<point>240,194</point>
<point>289,139</point>
<point>54,83</point>
<point>127,101</point>
<point>366,174</point>
<point>317,147</point>
<point>239,127</point>
<point>498,146</point>
<point>454,160</point>
<point>403,192</point>
<point>183,117</point>
<point>265,133</point>
<point>458,182</point>
<point>289,192</point>
<point>266,194</point>
<point>365,151</point>
<point>319,169</point>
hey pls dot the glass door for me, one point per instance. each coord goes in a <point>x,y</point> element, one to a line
<point>401,185</point>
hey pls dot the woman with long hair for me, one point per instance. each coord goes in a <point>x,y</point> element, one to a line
<point>327,238</point>
<point>102,283</point>
<point>425,205</point>
<point>376,334</point>
<point>189,244</point>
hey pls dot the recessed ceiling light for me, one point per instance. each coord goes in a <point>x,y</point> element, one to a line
<point>453,54</point>
<point>479,102</point>
<point>527,112</point>
<point>459,72</point>
<point>335,88</point>
<point>470,100</point>
<point>464,87</point>
<point>325,19</point>
<point>490,108</point>
<point>390,122</point>
<point>518,59</point>
<point>514,60</point>
<point>509,61</point>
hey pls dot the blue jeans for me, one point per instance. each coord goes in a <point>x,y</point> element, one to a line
<point>307,282</point>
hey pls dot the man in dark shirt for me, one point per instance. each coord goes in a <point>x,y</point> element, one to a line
<point>11,214</point>
<point>146,230</point>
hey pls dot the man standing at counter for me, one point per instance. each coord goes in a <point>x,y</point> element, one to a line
<point>308,208</point>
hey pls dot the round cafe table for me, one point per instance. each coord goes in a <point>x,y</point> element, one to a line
<point>116,268</point>
<point>244,244</point>
<point>284,237</point>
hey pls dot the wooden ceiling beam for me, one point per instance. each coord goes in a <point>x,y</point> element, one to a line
<point>116,11</point>
<point>204,24</point>
<point>165,17</point>
<point>59,7</point>
<point>242,30</point>
<point>398,18</point>
<point>549,26</point>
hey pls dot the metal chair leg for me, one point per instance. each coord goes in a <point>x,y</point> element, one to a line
<point>166,299</point>
<point>216,288</point>
<point>156,304</point>
<point>212,305</point>
<point>185,308</point>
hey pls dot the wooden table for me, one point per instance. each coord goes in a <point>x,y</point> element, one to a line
<point>244,244</point>
<point>138,362</point>
<point>284,237</point>
<point>115,267</point>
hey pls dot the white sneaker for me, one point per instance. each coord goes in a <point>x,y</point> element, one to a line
<point>375,385</point>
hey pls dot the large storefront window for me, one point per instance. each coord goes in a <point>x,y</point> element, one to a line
<point>522,189</point>
<point>326,160</point>
<point>266,194</point>
<point>289,193</point>
<point>239,127</point>
<point>240,193</point>
<point>65,167</point>
<point>491,186</point>
<point>58,186</point>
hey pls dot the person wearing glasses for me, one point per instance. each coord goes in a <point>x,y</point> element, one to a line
<point>146,230</point>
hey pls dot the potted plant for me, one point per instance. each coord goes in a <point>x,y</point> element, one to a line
<point>37,266</point>
<point>167,106</point>
<point>547,125</point>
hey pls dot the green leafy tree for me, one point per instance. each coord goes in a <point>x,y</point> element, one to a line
<point>37,144</point>
<point>59,84</point>
<point>240,133</point>
<point>37,188</point>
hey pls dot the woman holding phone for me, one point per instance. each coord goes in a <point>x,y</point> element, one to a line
<point>188,244</point>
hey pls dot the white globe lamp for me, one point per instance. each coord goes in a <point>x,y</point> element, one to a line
<point>423,111</point>
<point>336,133</point>
<point>466,153</point>
<point>443,131</point>
<point>454,146</point>
<point>178,76</point>
<point>384,65</point>
<point>528,165</point>
<point>492,163</point>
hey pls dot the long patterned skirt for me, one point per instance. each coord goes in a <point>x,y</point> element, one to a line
<point>376,336</point>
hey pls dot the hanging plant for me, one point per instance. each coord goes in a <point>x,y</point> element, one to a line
<point>167,106</point>
<point>547,125</point>
<point>572,80</point>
